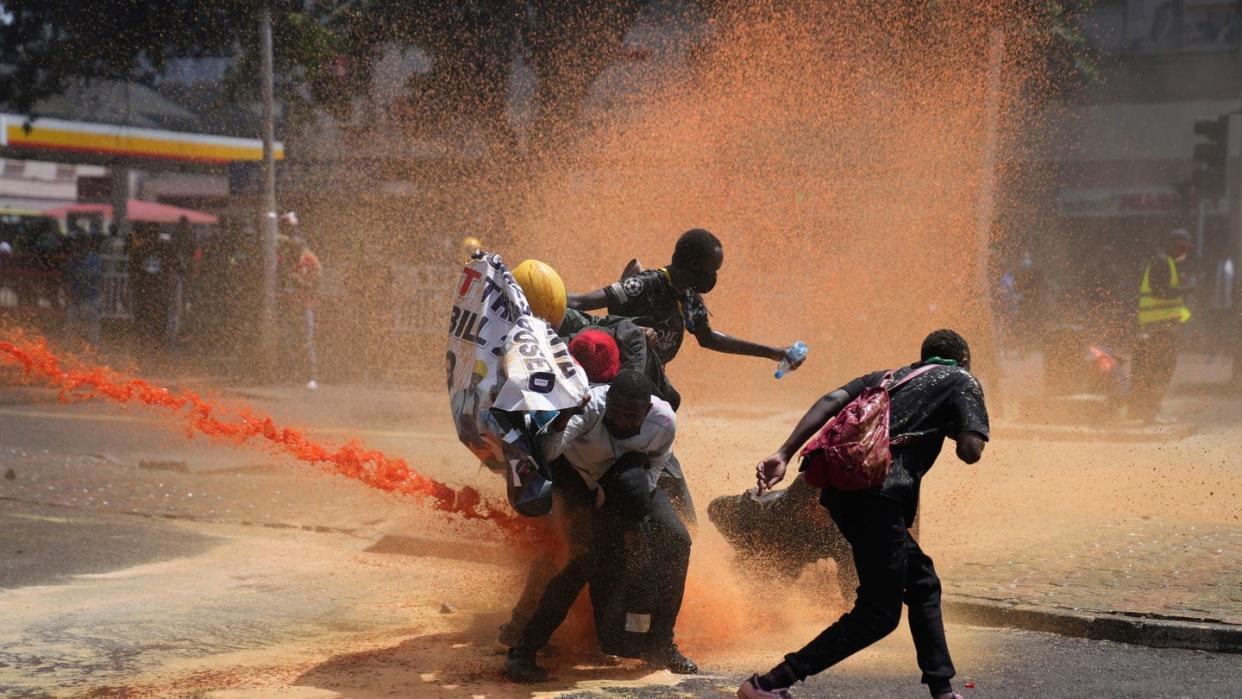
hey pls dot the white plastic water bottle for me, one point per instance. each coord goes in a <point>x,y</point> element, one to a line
<point>793,355</point>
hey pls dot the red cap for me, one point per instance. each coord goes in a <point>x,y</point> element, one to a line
<point>597,352</point>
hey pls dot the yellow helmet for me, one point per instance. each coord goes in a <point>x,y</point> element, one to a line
<point>480,369</point>
<point>545,292</point>
<point>470,245</point>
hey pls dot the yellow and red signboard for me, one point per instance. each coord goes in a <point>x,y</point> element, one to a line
<point>127,141</point>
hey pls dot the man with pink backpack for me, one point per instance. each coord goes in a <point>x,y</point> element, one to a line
<point>878,435</point>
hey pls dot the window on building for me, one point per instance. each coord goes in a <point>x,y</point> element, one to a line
<point>1105,27</point>
<point>1176,26</point>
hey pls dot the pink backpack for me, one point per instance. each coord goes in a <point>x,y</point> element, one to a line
<point>853,451</point>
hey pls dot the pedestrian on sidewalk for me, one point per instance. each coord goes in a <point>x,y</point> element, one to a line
<point>1162,312</point>
<point>941,400</point>
<point>83,280</point>
<point>302,272</point>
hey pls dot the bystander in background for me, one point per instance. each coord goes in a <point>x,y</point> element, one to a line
<point>1162,312</point>
<point>83,280</point>
<point>301,271</point>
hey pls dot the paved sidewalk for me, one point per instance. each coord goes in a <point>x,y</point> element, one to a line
<point>1154,569</point>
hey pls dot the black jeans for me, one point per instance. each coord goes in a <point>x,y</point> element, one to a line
<point>630,507</point>
<point>891,569</point>
<point>571,521</point>
<point>673,483</point>
<point>1155,357</point>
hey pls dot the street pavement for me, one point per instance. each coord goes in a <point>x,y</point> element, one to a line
<point>174,607</point>
<point>134,559</point>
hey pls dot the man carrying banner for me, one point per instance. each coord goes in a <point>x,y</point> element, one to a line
<point>625,346</point>
<point>617,443</point>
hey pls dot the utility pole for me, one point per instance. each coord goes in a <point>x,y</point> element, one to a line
<point>1233,195</point>
<point>985,212</point>
<point>267,314</point>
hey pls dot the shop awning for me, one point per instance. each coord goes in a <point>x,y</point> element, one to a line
<point>98,140</point>
<point>137,210</point>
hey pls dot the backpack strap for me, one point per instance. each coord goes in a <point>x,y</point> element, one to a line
<point>917,372</point>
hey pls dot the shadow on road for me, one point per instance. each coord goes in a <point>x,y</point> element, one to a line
<point>42,545</point>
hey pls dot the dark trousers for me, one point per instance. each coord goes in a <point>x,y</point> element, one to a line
<point>630,507</point>
<point>891,569</point>
<point>570,521</point>
<point>673,483</point>
<point>1155,356</point>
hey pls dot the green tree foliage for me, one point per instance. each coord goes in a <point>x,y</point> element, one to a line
<point>327,50</point>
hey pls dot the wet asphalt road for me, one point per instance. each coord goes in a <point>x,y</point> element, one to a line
<point>52,546</point>
<point>42,545</point>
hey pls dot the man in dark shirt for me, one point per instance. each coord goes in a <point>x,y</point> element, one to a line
<point>670,302</point>
<point>945,401</point>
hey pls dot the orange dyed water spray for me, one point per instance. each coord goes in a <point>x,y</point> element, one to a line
<point>244,426</point>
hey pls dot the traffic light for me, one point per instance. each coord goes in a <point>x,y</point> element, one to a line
<point>1209,156</point>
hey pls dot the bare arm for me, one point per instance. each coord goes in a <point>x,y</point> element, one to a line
<point>970,447</point>
<point>720,342</point>
<point>771,470</point>
<point>589,301</point>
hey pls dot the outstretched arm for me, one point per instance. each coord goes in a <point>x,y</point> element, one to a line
<point>720,342</point>
<point>771,470</point>
<point>588,301</point>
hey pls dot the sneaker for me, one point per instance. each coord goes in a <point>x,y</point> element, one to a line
<point>521,667</point>
<point>312,385</point>
<point>750,690</point>
<point>673,661</point>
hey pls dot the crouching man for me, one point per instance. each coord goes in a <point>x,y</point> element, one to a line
<point>945,400</point>
<point>617,443</point>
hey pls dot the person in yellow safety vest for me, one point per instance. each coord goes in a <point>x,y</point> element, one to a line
<point>1162,311</point>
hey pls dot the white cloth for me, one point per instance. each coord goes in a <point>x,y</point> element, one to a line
<point>591,449</point>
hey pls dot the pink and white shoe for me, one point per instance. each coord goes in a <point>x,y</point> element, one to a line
<point>750,690</point>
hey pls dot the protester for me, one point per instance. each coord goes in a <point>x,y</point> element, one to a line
<point>1162,312</point>
<point>945,400</point>
<point>635,352</point>
<point>83,280</point>
<point>302,271</point>
<point>603,347</point>
<point>616,443</point>
<point>669,300</point>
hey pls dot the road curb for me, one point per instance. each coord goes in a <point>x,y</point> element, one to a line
<point>1206,634</point>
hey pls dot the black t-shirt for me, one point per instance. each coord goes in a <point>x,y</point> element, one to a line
<point>943,402</point>
<point>651,301</point>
